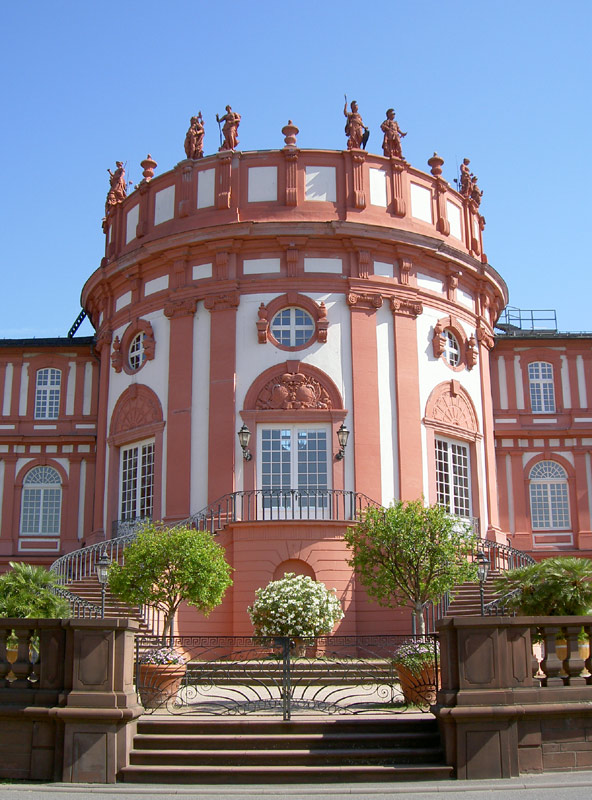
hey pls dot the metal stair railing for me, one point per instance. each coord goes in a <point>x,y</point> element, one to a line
<point>502,557</point>
<point>81,607</point>
<point>270,505</point>
<point>498,607</point>
<point>245,506</point>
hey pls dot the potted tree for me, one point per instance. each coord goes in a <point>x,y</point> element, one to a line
<point>164,567</point>
<point>406,556</point>
<point>410,554</point>
<point>297,607</point>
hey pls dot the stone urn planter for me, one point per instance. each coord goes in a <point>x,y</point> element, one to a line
<point>415,662</point>
<point>160,675</point>
<point>158,683</point>
<point>419,689</point>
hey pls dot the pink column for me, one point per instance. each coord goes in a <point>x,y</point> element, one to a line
<point>10,521</point>
<point>178,429</point>
<point>485,346</point>
<point>223,427</point>
<point>102,346</point>
<point>366,434</point>
<point>409,411</point>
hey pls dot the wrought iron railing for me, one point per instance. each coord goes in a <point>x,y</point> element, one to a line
<point>501,557</point>
<point>499,606</point>
<point>269,505</point>
<point>278,504</point>
<point>79,606</point>
<point>239,675</point>
<point>246,506</point>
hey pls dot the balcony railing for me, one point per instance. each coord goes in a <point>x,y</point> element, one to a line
<point>276,504</point>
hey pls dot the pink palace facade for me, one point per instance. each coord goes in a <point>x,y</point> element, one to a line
<point>295,293</point>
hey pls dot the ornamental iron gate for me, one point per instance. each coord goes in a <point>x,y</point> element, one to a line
<point>270,676</point>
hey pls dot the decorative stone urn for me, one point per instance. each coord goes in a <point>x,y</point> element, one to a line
<point>158,683</point>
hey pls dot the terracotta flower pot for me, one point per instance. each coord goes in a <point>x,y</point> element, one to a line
<point>157,683</point>
<point>301,648</point>
<point>419,689</point>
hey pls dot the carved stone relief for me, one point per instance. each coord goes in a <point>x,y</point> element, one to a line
<point>291,391</point>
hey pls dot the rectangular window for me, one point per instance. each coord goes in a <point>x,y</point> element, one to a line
<point>47,393</point>
<point>542,391</point>
<point>453,487</point>
<point>294,467</point>
<point>137,481</point>
<point>549,506</point>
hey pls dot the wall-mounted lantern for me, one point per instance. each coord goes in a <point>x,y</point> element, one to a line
<point>342,437</point>
<point>244,437</point>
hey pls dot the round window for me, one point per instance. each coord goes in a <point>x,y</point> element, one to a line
<point>452,349</point>
<point>292,327</point>
<point>136,354</point>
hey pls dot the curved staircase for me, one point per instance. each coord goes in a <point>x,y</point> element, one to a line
<point>76,571</point>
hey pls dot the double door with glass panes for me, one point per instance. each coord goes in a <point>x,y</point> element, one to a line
<point>293,468</point>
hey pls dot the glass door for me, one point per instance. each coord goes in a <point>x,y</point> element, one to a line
<point>293,470</point>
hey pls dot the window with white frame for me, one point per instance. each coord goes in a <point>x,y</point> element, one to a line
<point>453,483</point>
<point>136,355</point>
<point>41,502</point>
<point>47,393</point>
<point>451,349</point>
<point>542,391</point>
<point>137,481</point>
<point>549,498</point>
<point>294,457</point>
<point>292,327</point>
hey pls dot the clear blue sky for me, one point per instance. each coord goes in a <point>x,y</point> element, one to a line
<point>85,83</point>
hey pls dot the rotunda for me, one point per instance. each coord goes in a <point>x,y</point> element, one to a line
<point>293,297</point>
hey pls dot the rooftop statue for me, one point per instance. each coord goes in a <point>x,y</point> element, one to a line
<point>466,178</point>
<point>476,192</point>
<point>468,184</point>
<point>355,129</point>
<point>391,144</point>
<point>229,132</point>
<point>194,137</point>
<point>118,187</point>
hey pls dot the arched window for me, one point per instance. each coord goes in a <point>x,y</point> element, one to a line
<point>47,393</point>
<point>42,502</point>
<point>542,391</point>
<point>549,499</point>
<point>451,349</point>
<point>136,353</point>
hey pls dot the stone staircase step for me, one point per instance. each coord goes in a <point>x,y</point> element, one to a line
<point>301,757</point>
<point>280,741</point>
<point>272,774</point>
<point>269,750</point>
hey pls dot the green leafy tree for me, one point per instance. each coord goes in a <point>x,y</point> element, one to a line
<point>560,586</point>
<point>26,591</point>
<point>165,566</point>
<point>410,554</point>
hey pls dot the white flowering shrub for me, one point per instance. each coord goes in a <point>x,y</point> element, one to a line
<point>295,606</point>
